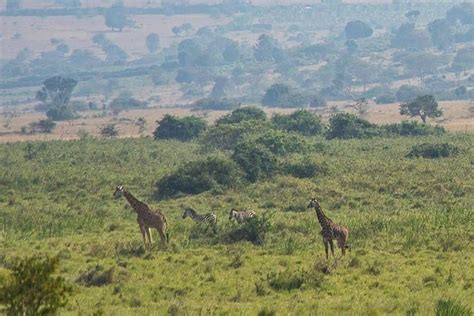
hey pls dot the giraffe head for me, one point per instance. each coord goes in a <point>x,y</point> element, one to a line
<point>313,203</point>
<point>188,211</point>
<point>119,190</point>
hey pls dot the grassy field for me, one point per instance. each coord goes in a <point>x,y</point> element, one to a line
<point>410,223</point>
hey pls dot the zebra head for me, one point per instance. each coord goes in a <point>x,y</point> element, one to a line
<point>188,212</point>
<point>118,190</point>
<point>313,203</point>
<point>232,214</point>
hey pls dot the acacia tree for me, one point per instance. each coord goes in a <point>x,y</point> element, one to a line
<point>423,106</point>
<point>55,95</point>
<point>152,42</point>
<point>116,17</point>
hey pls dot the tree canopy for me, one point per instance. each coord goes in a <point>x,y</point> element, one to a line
<point>423,106</point>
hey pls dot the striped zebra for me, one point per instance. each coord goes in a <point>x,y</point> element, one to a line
<point>240,216</point>
<point>209,218</point>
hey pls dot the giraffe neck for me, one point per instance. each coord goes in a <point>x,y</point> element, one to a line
<point>322,218</point>
<point>136,204</point>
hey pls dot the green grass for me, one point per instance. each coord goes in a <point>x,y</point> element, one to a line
<point>410,223</point>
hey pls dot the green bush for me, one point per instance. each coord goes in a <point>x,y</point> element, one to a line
<point>407,128</point>
<point>451,308</point>
<point>186,128</point>
<point>427,150</point>
<point>254,229</point>
<point>212,173</point>
<point>42,126</point>
<point>346,125</point>
<point>281,143</point>
<point>227,136</point>
<point>300,121</point>
<point>32,289</point>
<point>304,167</point>
<point>256,160</point>
<point>247,113</point>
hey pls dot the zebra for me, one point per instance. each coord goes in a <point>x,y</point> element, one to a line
<point>209,218</point>
<point>240,216</point>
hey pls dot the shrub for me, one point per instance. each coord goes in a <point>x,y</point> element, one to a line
<point>385,98</point>
<point>408,93</point>
<point>227,136</point>
<point>281,95</point>
<point>42,126</point>
<point>346,125</point>
<point>406,128</point>
<point>186,128</point>
<point>212,173</point>
<point>32,289</point>
<point>125,101</point>
<point>281,143</point>
<point>304,168</point>
<point>253,229</point>
<point>109,130</point>
<point>357,29</point>
<point>243,114</point>
<point>255,159</point>
<point>451,308</point>
<point>427,150</point>
<point>301,121</point>
<point>216,104</point>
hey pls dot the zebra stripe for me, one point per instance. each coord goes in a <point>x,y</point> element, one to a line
<point>200,218</point>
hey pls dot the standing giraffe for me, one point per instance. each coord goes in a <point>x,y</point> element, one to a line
<point>146,218</point>
<point>330,230</point>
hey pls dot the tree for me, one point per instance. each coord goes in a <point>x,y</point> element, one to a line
<point>267,49</point>
<point>56,91</point>
<point>412,15</point>
<point>408,37</point>
<point>245,113</point>
<point>357,29</point>
<point>83,58</point>
<point>276,95</point>
<point>231,53</point>
<point>152,42</point>
<point>423,106</point>
<point>463,60</point>
<point>116,18</point>
<point>218,90</point>
<point>361,106</point>
<point>300,121</point>
<point>442,34</point>
<point>422,64</point>
<point>317,101</point>
<point>42,126</point>
<point>346,125</point>
<point>32,288</point>
<point>184,129</point>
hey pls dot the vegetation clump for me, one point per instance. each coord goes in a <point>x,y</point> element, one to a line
<point>429,150</point>
<point>248,113</point>
<point>300,121</point>
<point>186,128</point>
<point>254,229</point>
<point>33,289</point>
<point>212,173</point>
<point>346,125</point>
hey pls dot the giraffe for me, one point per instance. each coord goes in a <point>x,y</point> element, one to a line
<point>146,218</point>
<point>330,230</point>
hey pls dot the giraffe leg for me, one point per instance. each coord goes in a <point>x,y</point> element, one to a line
<point>341,244</point>
<point>326,248</point>
<point>143,231</point>
<point>162,236</point>
<point>148,234</point>
<point>332,247</point>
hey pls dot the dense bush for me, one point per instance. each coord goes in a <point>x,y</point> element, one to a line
<point>227,136</point>
<point>282,95</point>
<point>42,126</point>
<point>32,289</point>
<point>253,229</point>
<point>346,125</point>
<point>427,150</point>
<point>256,160</point>
<point>301,121</point>
<point>216,104</point>
<point>357,29</point>
<point>186,128</point>
<point>407,128</point>
<point>212,173</point>
<point>243,114</point>
<point>304,167</point>
<point>280,143</point>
